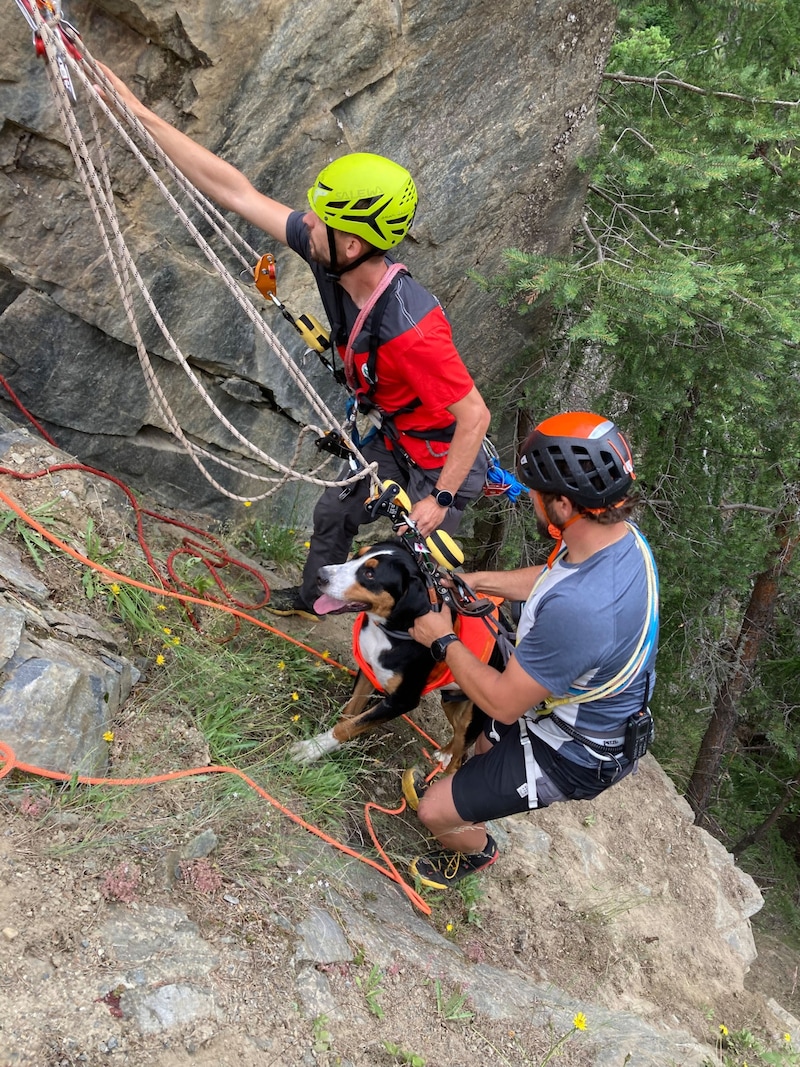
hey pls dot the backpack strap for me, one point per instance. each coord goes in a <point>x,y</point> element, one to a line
<point>377,302</point>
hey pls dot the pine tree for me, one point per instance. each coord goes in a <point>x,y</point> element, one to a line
<point>678,313</point>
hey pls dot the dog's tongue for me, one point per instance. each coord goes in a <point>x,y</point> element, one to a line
<point>327,605</point>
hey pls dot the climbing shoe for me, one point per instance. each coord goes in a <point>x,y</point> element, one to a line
<point>289,602</point>
<point>442,869</point>
<point>414,786</point>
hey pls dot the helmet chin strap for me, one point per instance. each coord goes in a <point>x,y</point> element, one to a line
<point>335,272</point>
<point>557,533</point>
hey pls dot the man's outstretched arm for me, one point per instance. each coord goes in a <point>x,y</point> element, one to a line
<point>218,180</point>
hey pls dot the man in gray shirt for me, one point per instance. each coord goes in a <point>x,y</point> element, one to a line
<point>568,716</point>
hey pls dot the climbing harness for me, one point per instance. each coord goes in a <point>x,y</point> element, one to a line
<point>638,735</point>
<point>58,43</point>
<point>470,629</point>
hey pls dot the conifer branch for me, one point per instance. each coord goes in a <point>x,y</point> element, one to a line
<point>665,79</point>
<point>627,211</point>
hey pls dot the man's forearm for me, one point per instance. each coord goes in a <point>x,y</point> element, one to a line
<point>217,179</point>
<point>472,422</point>
<point>511,585</point>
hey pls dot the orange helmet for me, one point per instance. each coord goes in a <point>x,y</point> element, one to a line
<point>578,455</point>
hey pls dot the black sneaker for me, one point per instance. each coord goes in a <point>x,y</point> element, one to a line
<point>442,869</point>
<point>414,786</point>
<point>289,602</point>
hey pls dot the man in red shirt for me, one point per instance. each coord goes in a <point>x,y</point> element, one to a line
<point>402,367</point>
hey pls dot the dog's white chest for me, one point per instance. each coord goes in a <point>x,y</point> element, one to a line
<point>373,641</point>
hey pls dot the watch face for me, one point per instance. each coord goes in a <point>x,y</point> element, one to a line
<point>443,498</point>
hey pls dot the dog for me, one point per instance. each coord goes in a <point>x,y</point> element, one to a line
<point>384,583</point>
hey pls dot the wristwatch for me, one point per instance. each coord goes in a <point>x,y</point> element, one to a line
<point>443,497</point>
<point>439,646</point>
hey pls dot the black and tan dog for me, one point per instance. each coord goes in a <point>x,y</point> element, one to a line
<point>385,584</point>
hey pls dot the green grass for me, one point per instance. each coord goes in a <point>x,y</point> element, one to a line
<point>35,543</point>
<point>280,545</point>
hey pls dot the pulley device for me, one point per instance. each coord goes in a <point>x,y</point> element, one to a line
<point>318,340</point>
<point>439,550</point>
<point>49,11</point>
<point>310,329</point>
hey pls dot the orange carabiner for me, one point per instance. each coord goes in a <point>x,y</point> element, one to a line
<point>265,277</point>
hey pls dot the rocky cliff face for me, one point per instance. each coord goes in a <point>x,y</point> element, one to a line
<point>619,908</point>
<point>490,110</point>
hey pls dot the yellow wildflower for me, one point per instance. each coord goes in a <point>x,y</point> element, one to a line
<point>326,654</point>
<point>160,660</point>
<point>161,607</point>
<point>306,544</point>
<point>787,1037</point>
<point>449,928</point>
<point>295,718</point>
<point>295,696</point>
<point>723,1029</point>
<point>176,641</point>
<point>108,736</point>
<point>114,588</point>
<point>579,1022</point>
<point>166,629</point>
<point>281,666</point>
<point>248,503</point>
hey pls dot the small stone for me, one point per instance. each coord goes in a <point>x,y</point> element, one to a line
<point>9,933</point>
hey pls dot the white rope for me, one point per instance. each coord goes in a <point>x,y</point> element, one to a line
<point>100,196</point>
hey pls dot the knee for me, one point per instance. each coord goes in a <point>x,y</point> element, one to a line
<point>431,813</point>
<point>426,811</point>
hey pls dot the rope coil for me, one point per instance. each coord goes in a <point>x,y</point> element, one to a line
<point>94,175</point>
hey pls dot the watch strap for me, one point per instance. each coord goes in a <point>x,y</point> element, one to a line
<point>440,645</point>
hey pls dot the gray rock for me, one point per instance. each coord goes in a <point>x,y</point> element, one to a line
<point>167,1007</point>
<point>57,702</point>
<point>12,624</point>
<point>163,941</point>
<point>201,846</point>
<point>491,121</point>
<point>15,574</point>
<point>316,998</point>
<point>322,939</point>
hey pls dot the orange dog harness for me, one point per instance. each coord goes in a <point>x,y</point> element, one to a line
<point>472,632</point>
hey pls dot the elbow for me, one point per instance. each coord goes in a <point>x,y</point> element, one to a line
<point>485,419</point>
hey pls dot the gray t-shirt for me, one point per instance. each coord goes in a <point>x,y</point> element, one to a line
<point>579,628</point>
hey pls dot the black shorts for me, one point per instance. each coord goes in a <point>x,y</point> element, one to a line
<point>488,786</point>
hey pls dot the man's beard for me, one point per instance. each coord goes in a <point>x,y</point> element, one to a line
<point>543,528</point>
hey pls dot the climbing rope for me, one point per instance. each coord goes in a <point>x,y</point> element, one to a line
<point>64,55</point>
<point>8,761</point>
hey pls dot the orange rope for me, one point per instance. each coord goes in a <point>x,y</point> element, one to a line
<point>115,576</point>
<point>7,755</point>
<point>8,762</point>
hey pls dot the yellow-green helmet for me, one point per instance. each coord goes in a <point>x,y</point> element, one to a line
<point>367,195</point>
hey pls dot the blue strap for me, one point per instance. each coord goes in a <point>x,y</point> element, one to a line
<point>495,475</point>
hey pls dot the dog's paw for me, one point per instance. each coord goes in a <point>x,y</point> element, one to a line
<point>314,747</point>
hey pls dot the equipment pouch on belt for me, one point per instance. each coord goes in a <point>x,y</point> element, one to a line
<point>639,734</point>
